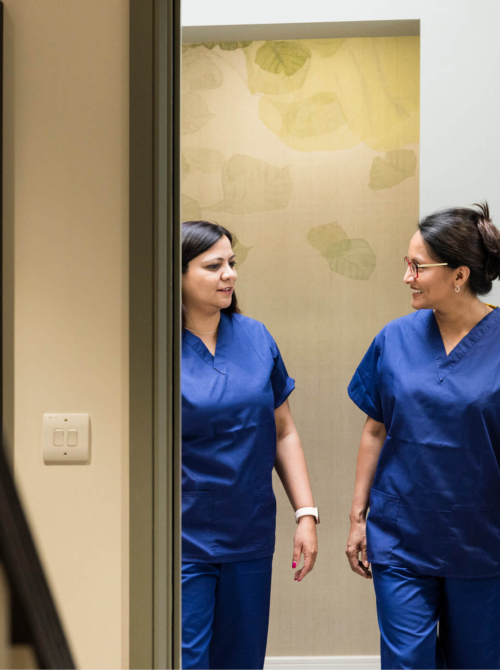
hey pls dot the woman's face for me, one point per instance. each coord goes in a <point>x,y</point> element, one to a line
<point>209,281</point>
<point>434,287</point>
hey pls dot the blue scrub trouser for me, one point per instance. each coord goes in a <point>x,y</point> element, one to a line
<point>225,614</point>
<point>409,607</point>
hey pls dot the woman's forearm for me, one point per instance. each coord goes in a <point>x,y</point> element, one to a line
<point>291,467</point>
<point>372,441</point>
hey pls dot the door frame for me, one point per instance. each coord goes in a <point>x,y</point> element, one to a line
<point>155,334</point>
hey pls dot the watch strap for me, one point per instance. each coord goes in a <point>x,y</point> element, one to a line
<point>307,511</point>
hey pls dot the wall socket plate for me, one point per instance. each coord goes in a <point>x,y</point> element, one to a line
<point>60,432</point>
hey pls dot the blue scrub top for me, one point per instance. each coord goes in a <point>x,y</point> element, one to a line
<point>229,442</point>
<point>435,500</point>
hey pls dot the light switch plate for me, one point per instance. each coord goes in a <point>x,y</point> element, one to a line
<point>65,454</point>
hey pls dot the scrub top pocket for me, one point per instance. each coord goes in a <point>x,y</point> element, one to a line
<point>267,503</point>
<point>381,526</point>
<point>197,516</point>
<point>249,515</point>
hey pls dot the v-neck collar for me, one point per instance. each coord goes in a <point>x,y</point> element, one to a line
<point>217,362</point>
<point>446,362</point>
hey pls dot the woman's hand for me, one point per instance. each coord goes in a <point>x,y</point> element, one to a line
<point>305,542</point>
<point>356,544</point>
<point>372,441</point>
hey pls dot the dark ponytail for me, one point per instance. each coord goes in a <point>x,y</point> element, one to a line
<point>491,240</point>
<point>465,236</point>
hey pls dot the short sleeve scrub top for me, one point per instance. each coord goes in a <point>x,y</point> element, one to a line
<point>229,442</point>
<point>435,500</point>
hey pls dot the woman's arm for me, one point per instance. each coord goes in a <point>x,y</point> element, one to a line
<point>291,467</point>
<point>372,441</point>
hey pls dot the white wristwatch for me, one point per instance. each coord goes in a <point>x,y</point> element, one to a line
<point>307,511</point>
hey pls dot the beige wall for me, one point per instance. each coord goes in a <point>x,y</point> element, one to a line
<point>66,220</point>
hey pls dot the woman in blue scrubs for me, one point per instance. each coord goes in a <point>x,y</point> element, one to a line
<point>236,426</point>
<point>429,459</point>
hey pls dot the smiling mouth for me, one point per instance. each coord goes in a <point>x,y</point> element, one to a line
<point>226,290</point>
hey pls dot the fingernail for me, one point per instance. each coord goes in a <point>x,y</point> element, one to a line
<point>294,564</point>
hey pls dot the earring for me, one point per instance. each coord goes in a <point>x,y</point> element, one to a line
<point>457,289</point>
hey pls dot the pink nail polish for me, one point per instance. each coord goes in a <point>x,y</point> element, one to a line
<point>294,564</point>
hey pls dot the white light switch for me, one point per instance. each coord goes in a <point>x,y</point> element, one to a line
<point>72,437</point>
<point>66,439</point>
<point>58,438</point>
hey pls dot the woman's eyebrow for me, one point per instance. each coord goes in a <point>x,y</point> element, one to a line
<point>219,258</point>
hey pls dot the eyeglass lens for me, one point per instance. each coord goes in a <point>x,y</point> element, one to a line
<point>412,266</point>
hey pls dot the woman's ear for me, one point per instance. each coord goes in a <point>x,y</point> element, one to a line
<point>462,274</point>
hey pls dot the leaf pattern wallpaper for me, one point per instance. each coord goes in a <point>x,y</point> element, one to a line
<point>307,150</point>
<point>314,95</point>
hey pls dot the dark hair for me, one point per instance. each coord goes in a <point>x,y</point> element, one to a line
<point>197,237</point>
<point>465,236</point>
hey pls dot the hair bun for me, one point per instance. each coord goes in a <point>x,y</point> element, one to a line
<point>491,239</point>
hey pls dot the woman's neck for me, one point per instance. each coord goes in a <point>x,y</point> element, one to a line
<point>202,322</point>
<point>462,316</point>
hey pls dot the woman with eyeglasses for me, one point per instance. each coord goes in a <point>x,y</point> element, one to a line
<point>236,426</point>
<point>428,466</point>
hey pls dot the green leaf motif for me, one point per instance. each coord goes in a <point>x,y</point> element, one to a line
<point>287,57</point>
<point>325,48</point>
<point>352,258</point>
<point>314,116</point>
<point>395,167</point>
<point>227,46</point>
<point>240,251</point>
<point>195,113</point>
<point>199,72</point>
<point>251,185</point>
<point>322,130</point>
<point>190,209</point>
<point>204,160</point>
<point>260,80</point>
<point>323,237</point>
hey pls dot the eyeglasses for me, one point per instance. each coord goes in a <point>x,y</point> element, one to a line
<point>415,266</point>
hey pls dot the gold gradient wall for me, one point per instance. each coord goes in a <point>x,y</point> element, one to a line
<point>308,151</point>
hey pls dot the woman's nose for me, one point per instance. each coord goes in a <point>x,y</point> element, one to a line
<point>408,278</point>
<point>229,272</point>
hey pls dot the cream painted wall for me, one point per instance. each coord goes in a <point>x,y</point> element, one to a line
<point>66,212</point>
<point>460,105</point>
